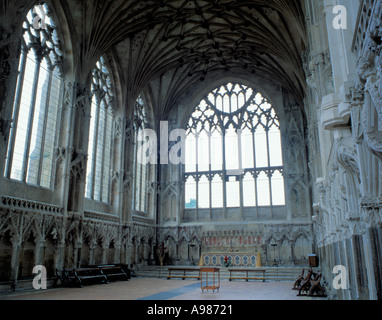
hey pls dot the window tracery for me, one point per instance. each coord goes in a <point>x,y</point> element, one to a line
<point>233,151</point>
<point>37,99</point>
<point>141,167</point>
<point>100,136</point>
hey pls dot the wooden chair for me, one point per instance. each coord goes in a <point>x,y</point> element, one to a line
<point>317,290</point>
<point>305,284</point>
<point>297,284</point>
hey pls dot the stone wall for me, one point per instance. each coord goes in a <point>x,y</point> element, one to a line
<point>344,126</point>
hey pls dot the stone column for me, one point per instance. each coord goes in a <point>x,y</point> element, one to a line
<point>152,254</point>
<point>39,251</point>
<point>343,259</point>
<point>375,235</point>
<point>78,141</point>
<point>117,252</point>
<point>105,249</point>
<point>16,246</point>
<point>92,247</point>
<point>136,252</point>
<point>77,255</point>
<point>360,268</point>
<point>59,255</point>
<point>128,249</point>
<point>9,55</point>
<point>351,269</point>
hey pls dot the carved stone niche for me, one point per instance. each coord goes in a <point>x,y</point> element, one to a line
<point>298,199</point>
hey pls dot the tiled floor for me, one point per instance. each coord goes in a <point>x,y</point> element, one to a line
<point>160,290</point>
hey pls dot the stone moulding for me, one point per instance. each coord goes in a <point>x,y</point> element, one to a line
<point>28,205</point>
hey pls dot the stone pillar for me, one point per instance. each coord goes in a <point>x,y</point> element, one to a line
<point>128,249</point>
<point>59,255</point>
<point>376,253</point>
<point>176,257</point>
<point>117,252</point>
<point>344,262</point>
<point>360,268</point>
<point>105,250</point>
<point>77,255</point>
<point>78,141</point>
<point>351,270</point>
<point>9,55</point>
<point>16,246</point>
<point>92,247</point>
<point>152,254</point>
<point>137,252</point>
<point>39,251</point>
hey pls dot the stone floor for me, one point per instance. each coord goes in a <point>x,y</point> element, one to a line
<point>166,290</point>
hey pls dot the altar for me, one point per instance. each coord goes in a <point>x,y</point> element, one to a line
<point>230,259</point>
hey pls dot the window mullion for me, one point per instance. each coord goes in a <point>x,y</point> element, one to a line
<point>95,143</point>
<point>141,167</point>
<point>144,188</point>
<point>240,150</point>
<point>12,138</point>
<point>210,169</point>
<point>255,173</point>
<point>103,154</point>
<point>30,122</point>
<point>56,131</point>
<point>269,172</point>
<point>42,149</point>
<point>197,172</point>
<point>224,170</point>
<point>135,164</point>
<point>111,166</point>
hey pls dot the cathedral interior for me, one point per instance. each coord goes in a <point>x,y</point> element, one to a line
<point>130,127</point>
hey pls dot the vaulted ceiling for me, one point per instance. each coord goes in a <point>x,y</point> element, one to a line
<point>192,39</point>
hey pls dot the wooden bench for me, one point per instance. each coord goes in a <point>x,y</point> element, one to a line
<point>124,267</point>
<point>114,273</point>
<point>246,277</point>
<point>14,284</point>
<point>89,275</point>
<point>183,276</point>
<point>66,277</point>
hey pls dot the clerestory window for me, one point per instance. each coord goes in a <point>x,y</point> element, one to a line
<point>141,167</point>
<point>30,154</point>
<point>99,166</point>
<point>233,151</point>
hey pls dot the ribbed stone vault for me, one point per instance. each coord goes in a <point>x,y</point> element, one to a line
<point>190,38</point>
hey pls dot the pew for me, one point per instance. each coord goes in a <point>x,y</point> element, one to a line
<point>89,276</point>
<point>114,273</point>
<point>247,277</point>
<point>66,277</point>
<point>184,272</point>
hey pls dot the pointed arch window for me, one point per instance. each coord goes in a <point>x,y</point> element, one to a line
<point>233,151</point>
<point>38,95</point>
<point>141,168</point>
<point>99,166</point>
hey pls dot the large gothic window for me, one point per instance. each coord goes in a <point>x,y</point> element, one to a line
<point>141,167</point>
<point>100,136</point>
<point>37,99</point>
<point>233,151</point>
